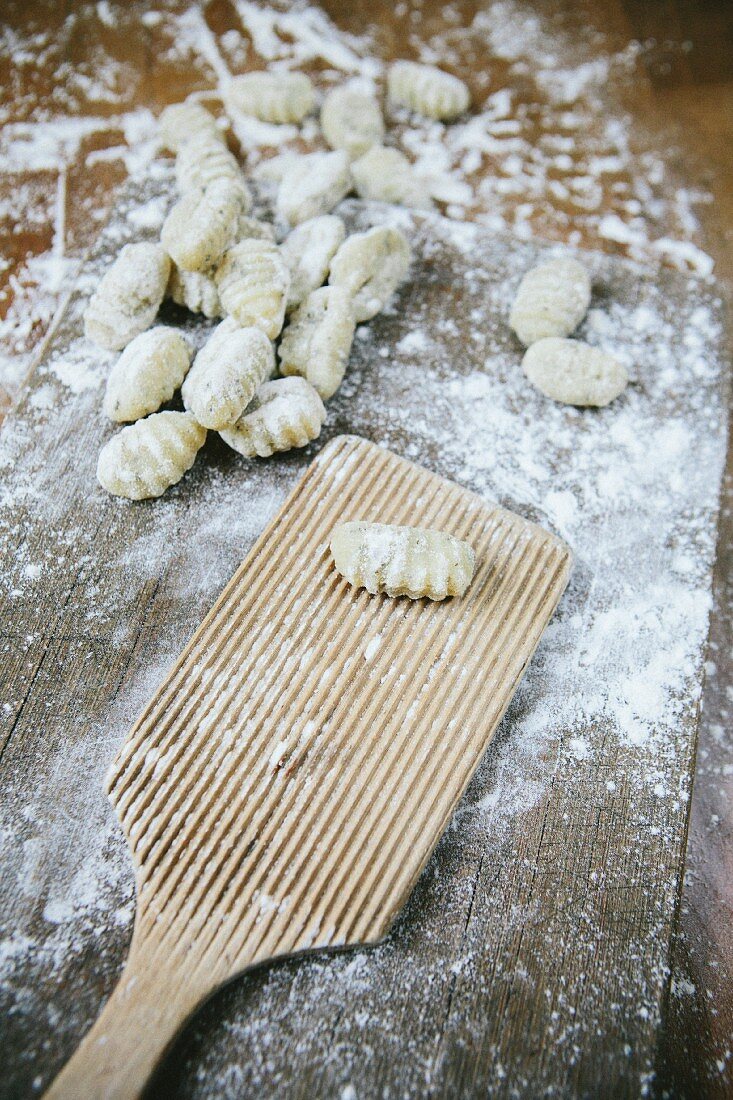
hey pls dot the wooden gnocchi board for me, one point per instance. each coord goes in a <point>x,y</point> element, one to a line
<point>532,955</point>
<point>287,783</point>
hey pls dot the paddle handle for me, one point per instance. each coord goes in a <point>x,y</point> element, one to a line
<point>117,1058</point>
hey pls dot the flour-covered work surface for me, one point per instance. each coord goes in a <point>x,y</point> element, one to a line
<point>533,954</point>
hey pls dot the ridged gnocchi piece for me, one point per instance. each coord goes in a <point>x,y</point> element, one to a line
<point>370,266</point>
<point>196,290</point>
<point>182,121</point>
<point>317,341</point>
<point>147,374</point>
<point>253,284</point>
<point>320,183</point>
<point>285,413</point>
<point>552,300</point>
<point>202,226</point>
<point>386,175</point>
<point>308,251</point>
<point>273,96</point>
<point>128,297</point>
<point>573,372</point>
<point>275,169</point>
<point>402,561</point>
<point>146,458</point>
<point>225,374</point>
<point>351,120</point>
<point>427,90</point>
<point>201,161</point>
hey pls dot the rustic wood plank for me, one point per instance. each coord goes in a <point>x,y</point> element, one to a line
<point>533,952</point>
<point>684,96</point>
<point>289,780</point>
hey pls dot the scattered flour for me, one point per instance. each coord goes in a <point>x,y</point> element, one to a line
<point>620,663</point>
<point>619,666</point>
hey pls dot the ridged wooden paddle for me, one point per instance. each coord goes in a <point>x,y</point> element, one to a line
<point>287,783</point>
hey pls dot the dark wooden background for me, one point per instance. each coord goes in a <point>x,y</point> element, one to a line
<point>685,94</point>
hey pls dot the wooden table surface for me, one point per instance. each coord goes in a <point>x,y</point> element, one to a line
<point>680,98</point>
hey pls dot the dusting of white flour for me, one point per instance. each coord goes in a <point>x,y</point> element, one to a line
<point>616,674</point>
<point>548,153</point>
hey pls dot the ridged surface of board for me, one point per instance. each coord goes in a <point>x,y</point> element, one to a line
<point>287,783</point>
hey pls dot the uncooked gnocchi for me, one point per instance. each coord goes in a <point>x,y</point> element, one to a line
<point>427,90</point>
<point>317,341</point>
<point>386,175</point>
<point>402,561</point>
<point>225,374</point>
<point>285,413</point>
<point>272,97</point>
<point>195,290</point>
<point>182,121</point>
<point>351,120</point>
<point>147,374</point>
<point>573,372</point>
<point>552,300</point>
<point>318,184</point>
<point>275,169</point>
<point>202,225</point>
<point>308,251</point>
<point>253,284</point>
<point>146,458</point>
<point>369,266</point>
<point>128,297</point>
<point>202,161</point>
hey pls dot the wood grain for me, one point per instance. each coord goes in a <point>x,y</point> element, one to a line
<point>691,89</point>
<point>286,785</point>
<point>531,942</point>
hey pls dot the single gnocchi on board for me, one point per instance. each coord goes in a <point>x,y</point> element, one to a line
<point>253,283</point>
<point>351,120</point>
<point>385,175</point>
<point>128,296</point>
<point>402,561</point>
<point>180,122</point>
<point>370,266</point>
<point>574,373</point>
<point>147,374</point>
<point>275,169</point>
<point>226,372</point>
<point>308,250</point>
<point>272,97</point>
<point>146,458</point>
<point>201,161</point>
<point>313,188</point>
<point>317,341</point>
<point>551,300</point>
<point>284,414</point>
<point>427,90</point>
<point>201,226</point>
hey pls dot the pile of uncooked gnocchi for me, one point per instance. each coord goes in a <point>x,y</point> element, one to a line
<point>300,282</point>
<point>216,259</point>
